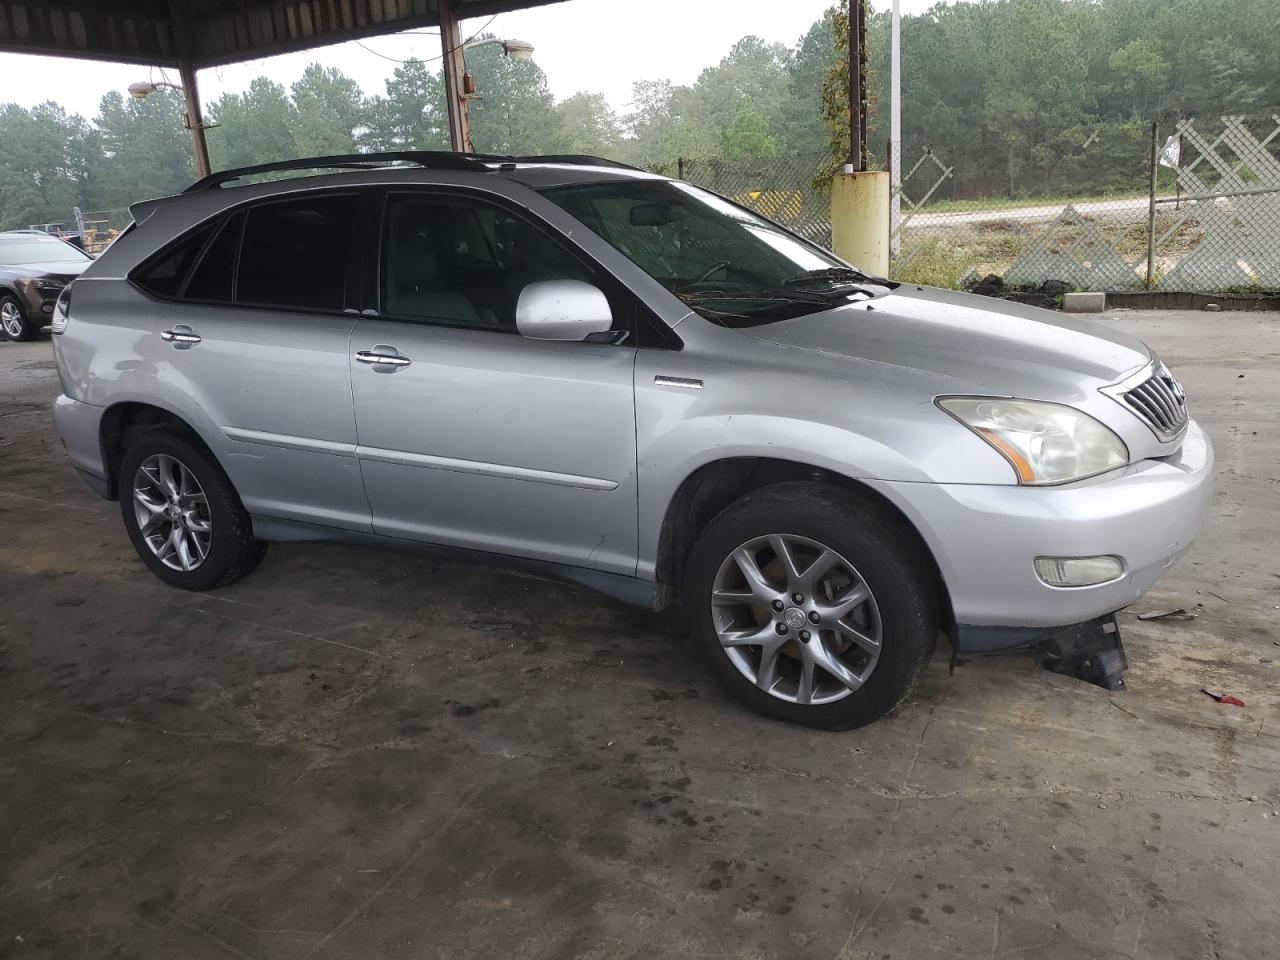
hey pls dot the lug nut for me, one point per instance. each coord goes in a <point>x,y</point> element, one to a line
<point>782,629</point>
<point>798,597</point>
<point>777,605</point>
<point>804,635</point>
<point>813,616</point>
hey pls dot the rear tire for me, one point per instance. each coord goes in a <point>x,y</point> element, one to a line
<point>865,624</point>
<point>14,322</point>
<point>183,515</point>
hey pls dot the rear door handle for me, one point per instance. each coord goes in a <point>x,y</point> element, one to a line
<point>383,356</point>
<point>181,336</point>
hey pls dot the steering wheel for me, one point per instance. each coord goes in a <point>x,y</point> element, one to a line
<point>706,274</point>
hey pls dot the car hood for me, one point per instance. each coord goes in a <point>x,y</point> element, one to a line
<point>54,269</point>
<point>995,346</point>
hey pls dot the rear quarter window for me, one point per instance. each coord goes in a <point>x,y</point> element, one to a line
<point>162,274</point>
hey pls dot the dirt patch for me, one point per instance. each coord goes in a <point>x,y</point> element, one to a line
<point>310,711</point>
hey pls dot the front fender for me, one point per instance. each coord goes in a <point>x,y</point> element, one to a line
<point>668,459</point>
<point>733,397</point>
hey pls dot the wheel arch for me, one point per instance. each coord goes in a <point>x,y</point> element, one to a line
<point>121,420</point>
<point>713,486</point>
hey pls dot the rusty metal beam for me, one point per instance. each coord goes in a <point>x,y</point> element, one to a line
<point>454,69</point>
<point>184,41</point>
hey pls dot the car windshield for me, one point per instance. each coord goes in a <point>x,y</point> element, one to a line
<point>725,262</point>
<point>19,250</point>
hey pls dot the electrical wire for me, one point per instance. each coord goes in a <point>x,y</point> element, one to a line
<point>427,59</point>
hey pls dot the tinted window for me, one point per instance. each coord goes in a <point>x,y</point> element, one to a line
<point>213,275</point>
<point>294,253</point>
<point>460,261</point>
<point>26,249</point>
<point>163,274</point>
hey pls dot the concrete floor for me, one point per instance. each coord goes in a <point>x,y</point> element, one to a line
<point>363,755</point>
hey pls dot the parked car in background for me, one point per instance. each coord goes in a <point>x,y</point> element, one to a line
<point>60,230</point>
<point>34,267</point>
<point>626,381</point>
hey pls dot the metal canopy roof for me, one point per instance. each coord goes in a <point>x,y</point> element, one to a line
<point>221,31</point>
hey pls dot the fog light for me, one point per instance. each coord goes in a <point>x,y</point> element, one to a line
<point>1078,571</point>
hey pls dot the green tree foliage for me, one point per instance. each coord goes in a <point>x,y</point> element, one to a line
<point>804,129</point>
<point>587,125</point>
<point>757,101</point>
<point>143,151</point>
<point>1009,92</point>
<point>1017,96</point>
<point>664,124</point>
<point>48,163</point>
<point>514,113</point>
<point>329,112</point>
<point>253,127</point>
<point>747,136</point>
<point>412,115</point>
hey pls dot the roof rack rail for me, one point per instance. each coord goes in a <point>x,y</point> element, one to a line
<point>432,159</point>
<point>577,159</point>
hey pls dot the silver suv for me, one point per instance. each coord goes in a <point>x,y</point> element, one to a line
<point>631,383</point>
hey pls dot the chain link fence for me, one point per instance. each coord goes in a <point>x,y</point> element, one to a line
<point>786,189</point>
<point>945,240</point>
<point>100,227</point>
<point>1221,231</point>
<point>1211,223</point>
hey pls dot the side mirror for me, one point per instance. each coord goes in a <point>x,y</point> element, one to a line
<point>562,310</point>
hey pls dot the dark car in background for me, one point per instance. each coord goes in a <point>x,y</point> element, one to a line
<point>34,267</point>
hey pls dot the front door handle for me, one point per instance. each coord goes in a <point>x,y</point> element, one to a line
<point>383,356</point>
<point>181,336</point>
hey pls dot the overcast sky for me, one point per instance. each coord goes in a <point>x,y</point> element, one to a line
<point>596,45</point>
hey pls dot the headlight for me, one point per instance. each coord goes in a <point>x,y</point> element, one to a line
<point>1043,442</point>
<point>43,285</point>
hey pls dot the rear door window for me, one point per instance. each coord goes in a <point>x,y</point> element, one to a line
<point>297,253</point>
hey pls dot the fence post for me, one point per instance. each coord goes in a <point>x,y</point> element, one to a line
<point>1151,211</point>
<point>679,168</point>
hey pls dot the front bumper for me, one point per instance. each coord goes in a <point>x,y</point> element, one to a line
<point>38,304</point>
<point>985,539</point>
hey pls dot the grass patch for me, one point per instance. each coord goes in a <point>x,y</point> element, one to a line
<point>939,260</point>
<point>1012,203</point>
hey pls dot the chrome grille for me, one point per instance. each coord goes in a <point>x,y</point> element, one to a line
<point>1159,402</point>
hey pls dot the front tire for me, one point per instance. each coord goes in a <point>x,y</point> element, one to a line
<point>13,319</point>
<point>812,605</point>
<point>182,514</point>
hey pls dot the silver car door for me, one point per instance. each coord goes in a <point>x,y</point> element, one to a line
<point>267,366</point>
<point>470,435</point>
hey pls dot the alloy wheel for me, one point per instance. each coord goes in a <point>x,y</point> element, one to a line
<point>172,512</point>
<point>796,619</point>
<point>11,320</point>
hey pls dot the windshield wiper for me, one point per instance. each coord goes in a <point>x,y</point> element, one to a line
<point>835,273</point>
<point>755,296</point>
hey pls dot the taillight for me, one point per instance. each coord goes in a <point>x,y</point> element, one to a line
<point>61,311</point>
